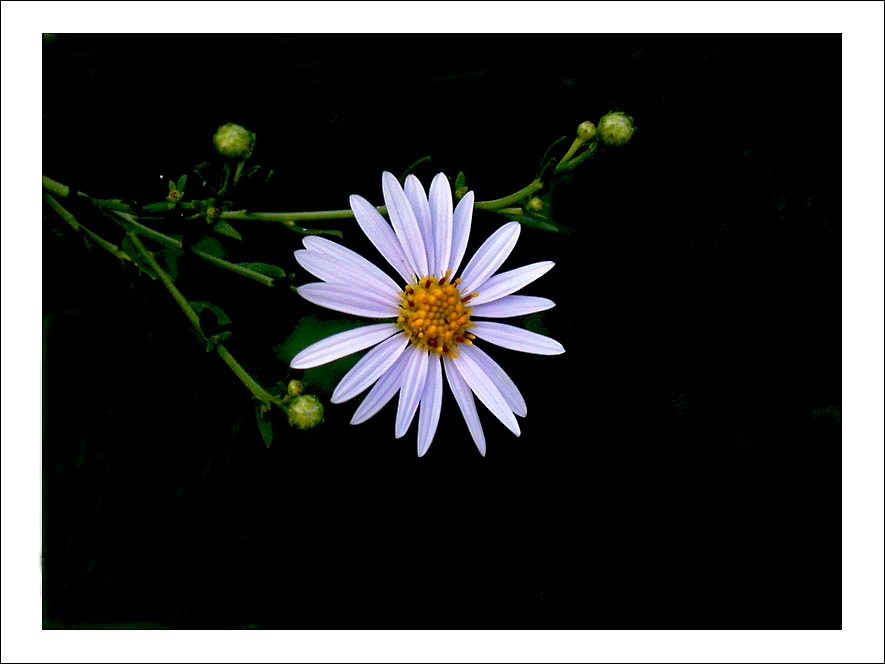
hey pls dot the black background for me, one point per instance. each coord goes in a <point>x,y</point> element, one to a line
<point>670,472</point>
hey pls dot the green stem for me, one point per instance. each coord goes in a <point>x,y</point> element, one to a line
<point>244,376</point>
<point>244,215</point>
<point>578,142</point>
<point>233,267</point>
<point>167,281</point>
<point>507,201</point>
<point>192,316</point>
<point>56,188</point>
<point>590,151</point>
<point>77,226</point>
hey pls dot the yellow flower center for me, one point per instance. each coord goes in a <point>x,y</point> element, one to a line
<point>435,316</point>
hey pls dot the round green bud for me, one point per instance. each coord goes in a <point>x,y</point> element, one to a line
<point>295,388</point>
<point>234,141</point>
<point>305,412</point>
<point>587,131</point>
<point>615,128</point>
<point>535,205</point>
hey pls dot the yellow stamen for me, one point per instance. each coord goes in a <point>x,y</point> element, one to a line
<point>434,316</point>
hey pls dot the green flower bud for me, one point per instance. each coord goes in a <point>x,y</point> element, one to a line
<point>587,131</point>
<point>305,412</point>
<point>615,128</point>
<point>234,141</point>
<point>535,205</point>
<point>295,388</point>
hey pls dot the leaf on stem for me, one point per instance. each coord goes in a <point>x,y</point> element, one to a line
<point>264,426</point>
<point>199,305</point>
<point>137,258</point>
<point>224,228</point>
<point>264,268</point>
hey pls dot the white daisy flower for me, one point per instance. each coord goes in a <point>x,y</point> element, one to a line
<point>433,316</point>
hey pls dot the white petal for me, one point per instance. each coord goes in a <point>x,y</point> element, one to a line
<point>381,235</point>
<point>370,367</point>
<point>515,338</point>
<point>511,281</point>
<point>342,344</point>
<point>489,257</point>
<point>355,263</point>
<point>431,405</point>
<point>485,389</point>
<point>499,377</point>
<point>331,270</point>
<point>359,302</point>
<point>381,392</point>
<point>460,231</point>
<point>412,388</point>
<point>512,305</point>
<point>441,216</point>
<point>404,223</point>
<point>464,398</point>
<point>418,200</point>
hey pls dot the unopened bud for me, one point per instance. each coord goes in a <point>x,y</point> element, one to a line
<point>615,128</point>
<point>234,141</point>
<point>295,388</point>
<point>305,412</point>
<point>587,131</point>
<point>535,205</point>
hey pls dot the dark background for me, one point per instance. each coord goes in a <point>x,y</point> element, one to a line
<point>676,468</point>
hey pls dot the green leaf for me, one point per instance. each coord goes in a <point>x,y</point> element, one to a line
<point>225,228</point>
<point>171,185</point>
<point>308,330</point>
<point>199,305</point>
<point>133,253</point>
<point>216,339</point>
<point>264,268</point>
<point>536,221</point>
<point>459,180</point>
<point>264,426</point>
<point>168,258</point>
<point>181,182</point>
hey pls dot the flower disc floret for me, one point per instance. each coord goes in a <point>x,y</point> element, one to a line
<point>434,315</point>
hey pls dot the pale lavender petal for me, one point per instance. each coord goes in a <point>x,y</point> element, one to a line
<point>460,231</point>
<point>431,405</point>
<point>370,368</point>
<point>464,398</point>
<point>404,223</point>
<point>359,302</point>
<point>441,216</point>
<point>412,389</point>
<point>381,392</point>
<point>342,344</point>
<point>485,389</point>
<point>511,281</point>
<point>512,305</point>
<point>332,270</point>
<point>499,377</point>
<point>381,235</point>
<point>418,200</point>
<point>516,338</point>
<point>354,262</point>
<point>489,257</point>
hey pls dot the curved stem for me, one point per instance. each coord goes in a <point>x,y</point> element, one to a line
<point>507,201</point>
